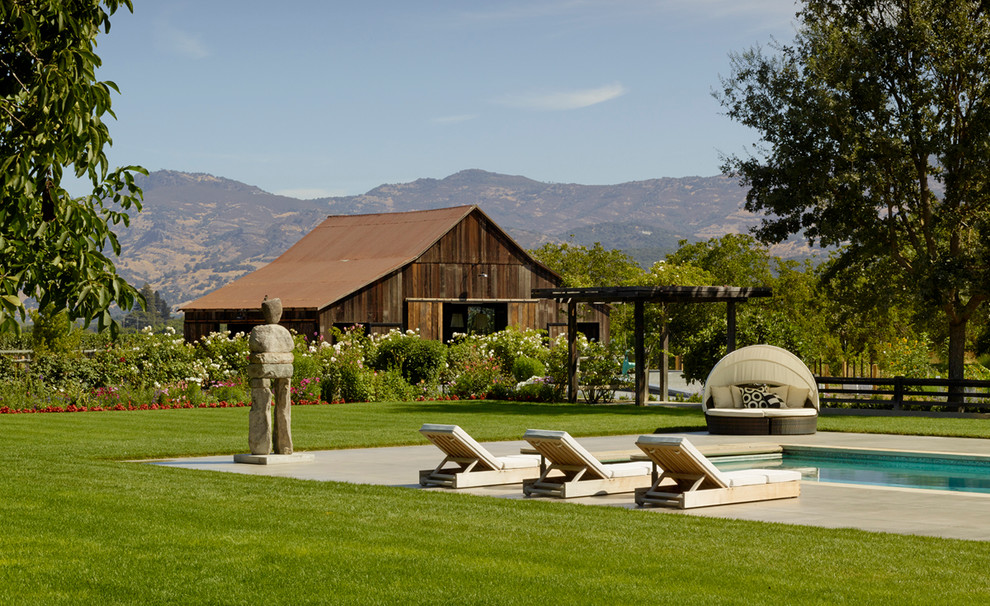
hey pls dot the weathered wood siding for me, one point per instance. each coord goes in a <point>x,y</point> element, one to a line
<point>426,317</point>
<point>473,262</point>
<point>199,323</point>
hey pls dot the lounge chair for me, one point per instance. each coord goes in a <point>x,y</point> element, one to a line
<point>574,472</point>
<point>690,480</point>
<point>473,464</point>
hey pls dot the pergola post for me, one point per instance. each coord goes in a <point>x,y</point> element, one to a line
<point>572,356</point>
<point>642,377</point>
<point>664,364</point>
<point>730,332</point>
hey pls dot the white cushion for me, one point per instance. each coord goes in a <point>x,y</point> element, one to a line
<point>781,475</point>
<point>789,412</point>
<point>626,470</point>
<point>723,397</point>
<point>796,396</point>
<point>738,412</point>
<point>780,391</point>
<point>744,477</point>
<point>519,461</point>
<point>736,396</point>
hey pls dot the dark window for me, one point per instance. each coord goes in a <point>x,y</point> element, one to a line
<point>590,329</point>
<point>474,318</point>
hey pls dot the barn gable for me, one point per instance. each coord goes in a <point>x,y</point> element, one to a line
<point>436,271</point>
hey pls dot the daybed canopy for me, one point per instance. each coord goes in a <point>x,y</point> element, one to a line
<point>761,364</point>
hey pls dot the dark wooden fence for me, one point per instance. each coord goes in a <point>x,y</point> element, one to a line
<point>900,393</point>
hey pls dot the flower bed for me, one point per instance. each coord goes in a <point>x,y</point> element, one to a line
<point>159,371</point>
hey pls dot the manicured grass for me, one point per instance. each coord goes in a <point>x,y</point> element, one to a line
<point>80,526</point>
<point>919,426</point>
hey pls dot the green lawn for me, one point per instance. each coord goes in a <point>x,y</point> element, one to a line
<point>80,526</point>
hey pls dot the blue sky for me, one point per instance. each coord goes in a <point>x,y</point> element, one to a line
<point>317,98</point>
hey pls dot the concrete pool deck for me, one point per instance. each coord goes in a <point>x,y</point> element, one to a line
<point>957,515</point>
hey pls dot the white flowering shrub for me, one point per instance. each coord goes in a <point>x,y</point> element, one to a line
<point>223,356</point>
<point>507,345</point>
<point>149,359</point>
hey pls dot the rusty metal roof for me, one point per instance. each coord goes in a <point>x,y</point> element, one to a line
<point>341,255</point>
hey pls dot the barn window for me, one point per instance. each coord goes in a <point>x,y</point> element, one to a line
<point>474,318</point>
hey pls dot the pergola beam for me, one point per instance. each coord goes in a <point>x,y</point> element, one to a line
<point>639,296</point>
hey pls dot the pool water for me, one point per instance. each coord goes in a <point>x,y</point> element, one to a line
<point>884,468</point>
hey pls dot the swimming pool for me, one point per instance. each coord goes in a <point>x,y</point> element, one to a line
<point>933,471</point>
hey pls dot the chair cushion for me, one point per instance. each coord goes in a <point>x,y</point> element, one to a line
<point>519,461</point>
<point>745,477</point>
<point>627,470</point>
<point>781,475</point>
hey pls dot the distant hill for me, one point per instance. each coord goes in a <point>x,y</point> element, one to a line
<point>690,207</point>
<point>198,232</point>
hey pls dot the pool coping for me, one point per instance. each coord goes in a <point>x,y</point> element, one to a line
<point>946,514</point>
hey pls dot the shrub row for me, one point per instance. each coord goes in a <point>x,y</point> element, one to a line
<point>154,368</point>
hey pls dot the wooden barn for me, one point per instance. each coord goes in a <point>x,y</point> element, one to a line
<point>444,271</point>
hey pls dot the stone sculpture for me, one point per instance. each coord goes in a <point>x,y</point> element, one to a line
<point>270,360</point>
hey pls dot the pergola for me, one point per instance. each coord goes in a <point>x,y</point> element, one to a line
<point>639,296</point>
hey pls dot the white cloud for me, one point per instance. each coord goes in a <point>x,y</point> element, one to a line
<point>563,100</point>
<point>454,119</point>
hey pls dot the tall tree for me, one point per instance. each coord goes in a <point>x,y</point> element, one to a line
<point>788,319</point>
<point>580,266</point>
<point>875,130</point>
<point>53,247</point>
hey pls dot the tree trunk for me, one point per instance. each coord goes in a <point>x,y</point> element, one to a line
<point>957,358</point>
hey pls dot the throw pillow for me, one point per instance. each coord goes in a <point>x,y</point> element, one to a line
<point>772,400</point>
<point>796,396</point>
<point>777,397</point>
<point>752,397</point>
<point>722,397</point>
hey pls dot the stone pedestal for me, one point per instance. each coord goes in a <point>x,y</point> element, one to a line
<point>274,459</point>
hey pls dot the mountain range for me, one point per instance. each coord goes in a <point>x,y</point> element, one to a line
<point>198,232</point>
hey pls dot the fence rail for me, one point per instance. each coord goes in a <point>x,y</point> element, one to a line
<point>900,393</point>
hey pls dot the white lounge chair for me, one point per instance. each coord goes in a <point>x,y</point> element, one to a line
<point>690,480</point>
<point>473,464</point>
<point>574,472</point>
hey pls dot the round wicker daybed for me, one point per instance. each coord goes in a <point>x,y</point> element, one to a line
<point>760,389</point>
